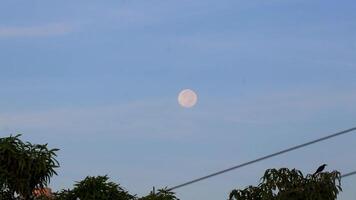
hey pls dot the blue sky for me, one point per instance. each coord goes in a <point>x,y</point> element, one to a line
<point>99,80</point>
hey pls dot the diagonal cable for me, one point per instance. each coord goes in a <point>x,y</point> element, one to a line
<point>264,158</point>
<point>348,174</point>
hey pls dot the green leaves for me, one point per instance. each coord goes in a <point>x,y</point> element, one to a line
<point>95,188</point>
<point>286,184</point>
<point>162,194</point>
<point>100,188</point>
<point>25,166</point>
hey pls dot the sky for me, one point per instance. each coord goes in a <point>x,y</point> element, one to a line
<point>99,80</point>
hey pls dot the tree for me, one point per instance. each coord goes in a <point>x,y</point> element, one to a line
<point>65,195</point>
<point>285,184</point>
<point>95,188</point>
<point>163,194</point>
<point>5,193</point>
<point>99,188</point>
<point>24,167</point>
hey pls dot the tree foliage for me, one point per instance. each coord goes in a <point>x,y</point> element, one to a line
<point>24,167</point>
<point>162,194</point>
<point>285,184</point>
<point>99,188</point>
<point>95,188</point>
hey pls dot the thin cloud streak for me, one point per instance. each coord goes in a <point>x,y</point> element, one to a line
<point>56,29</point>
<point>162,119</point>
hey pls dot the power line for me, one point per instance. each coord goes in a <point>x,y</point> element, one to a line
<point>348,174</point>
<point>264,158</point>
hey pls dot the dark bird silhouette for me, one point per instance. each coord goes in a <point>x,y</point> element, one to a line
<point>320,169</point>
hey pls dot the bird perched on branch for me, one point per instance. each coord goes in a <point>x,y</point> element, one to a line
<point>320,169</point>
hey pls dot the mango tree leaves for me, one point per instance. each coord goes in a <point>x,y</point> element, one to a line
<point>25,166</point>
<point>95,188</point>
<point>162,194</point>
<point>285,184</point>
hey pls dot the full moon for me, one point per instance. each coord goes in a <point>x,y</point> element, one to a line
<point>187,98</point>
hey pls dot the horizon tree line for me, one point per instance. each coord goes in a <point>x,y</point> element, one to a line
<point>26,170</point>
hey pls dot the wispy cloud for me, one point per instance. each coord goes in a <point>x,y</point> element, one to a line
<point>55,29</point>
<point>162,119</point>
<point>286,106</point>
<point>139,118</point>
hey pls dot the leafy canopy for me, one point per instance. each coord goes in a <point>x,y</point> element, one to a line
<point>163,194</point>
<point>24,167</point>
<point>285,184</point>
<point>95,188</point>
<point>99,188</point>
